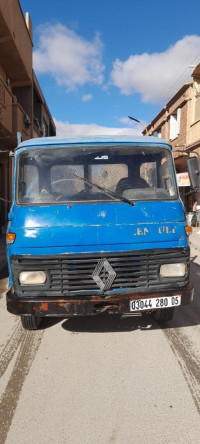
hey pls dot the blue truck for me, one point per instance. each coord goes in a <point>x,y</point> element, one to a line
<point>96,224</point>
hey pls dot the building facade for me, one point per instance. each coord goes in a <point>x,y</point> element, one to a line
<point>23,108</point>
<point>179,123</point>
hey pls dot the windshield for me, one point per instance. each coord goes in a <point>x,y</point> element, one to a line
<point>95,174</point>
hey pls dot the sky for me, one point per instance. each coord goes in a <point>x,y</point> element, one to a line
<point>99,62</point>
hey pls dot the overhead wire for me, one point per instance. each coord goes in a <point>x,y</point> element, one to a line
<point>184,75</point>
<point>179,70</point>
<point>178,74</point>
<point>177,85</point>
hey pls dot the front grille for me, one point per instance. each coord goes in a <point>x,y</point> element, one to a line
<point>72,275</point>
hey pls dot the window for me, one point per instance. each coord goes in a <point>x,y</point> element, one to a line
<point>175,120</point>
<point>157,133</point>
<point>92,174</point>
<point>63,180</point>
<point>197,109</point>
<point>107,175</point>
<point>29,181</point>
<point>149,174</point>
<point>45,129</point>
<point>197,101</point>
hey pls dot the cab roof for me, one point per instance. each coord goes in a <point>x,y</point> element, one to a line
<point>63,141</point>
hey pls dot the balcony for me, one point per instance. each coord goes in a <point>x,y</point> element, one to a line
<point>37,131</point>
<point>21,122</point>
<point>5,109</point>
<point>15,44</point>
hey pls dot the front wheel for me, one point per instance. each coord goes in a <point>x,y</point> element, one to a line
<point>31,322</point>
<point>165,314</point>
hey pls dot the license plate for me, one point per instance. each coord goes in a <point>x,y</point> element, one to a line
<point>153,303</point>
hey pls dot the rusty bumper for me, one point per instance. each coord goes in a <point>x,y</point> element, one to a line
<point>83,306</point>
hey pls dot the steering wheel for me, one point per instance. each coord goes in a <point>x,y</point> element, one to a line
<point>62,180</point>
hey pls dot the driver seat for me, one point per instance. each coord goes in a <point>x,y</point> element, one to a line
<point>127,183</point>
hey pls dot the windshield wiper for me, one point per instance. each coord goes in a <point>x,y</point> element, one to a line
<point>109,193</point>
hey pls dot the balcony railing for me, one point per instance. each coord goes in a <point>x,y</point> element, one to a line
<point>5,108</point>
<point>21,122</point>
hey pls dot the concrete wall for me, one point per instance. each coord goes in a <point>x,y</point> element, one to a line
<point>17,83</point>
<point>18,44</point>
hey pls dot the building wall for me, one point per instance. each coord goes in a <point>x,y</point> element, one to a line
<point>193,135</point>
<point>18,42</point>
<point>18,84</point>
<point>179,142</point>
<point>5,105</point>
<point>161,123</point>
<point>187,140</point>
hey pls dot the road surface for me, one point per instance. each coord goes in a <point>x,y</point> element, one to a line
<point>102,379</point>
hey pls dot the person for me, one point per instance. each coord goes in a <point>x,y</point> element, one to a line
<point>194,214</point>
<point>194,208</point>
<point>198,215</point>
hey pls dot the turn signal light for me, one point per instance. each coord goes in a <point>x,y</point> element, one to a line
<point>188,229</point>
<point>11,238</point>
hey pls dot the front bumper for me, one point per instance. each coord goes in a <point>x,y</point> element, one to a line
<point>83,306</point>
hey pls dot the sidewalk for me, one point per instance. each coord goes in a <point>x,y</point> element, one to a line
<point>194,238</point>
<point>3,258</point>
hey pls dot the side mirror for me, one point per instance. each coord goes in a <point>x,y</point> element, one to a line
<point>194,172</point>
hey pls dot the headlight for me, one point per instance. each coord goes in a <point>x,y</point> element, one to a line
<point>32,277</point>
<point>173,270</point>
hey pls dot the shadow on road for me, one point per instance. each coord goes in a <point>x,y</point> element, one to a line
<point>3,281</point>
<point>105,323</point>
<point>4,273</point>
<point>49,322</point>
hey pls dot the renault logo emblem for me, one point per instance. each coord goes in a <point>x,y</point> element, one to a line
<point>104,275</point>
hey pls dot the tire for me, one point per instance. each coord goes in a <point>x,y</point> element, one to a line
<point>165,314</point>
<point>31,322</point>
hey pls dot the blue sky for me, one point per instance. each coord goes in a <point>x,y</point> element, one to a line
<point>98,62</point>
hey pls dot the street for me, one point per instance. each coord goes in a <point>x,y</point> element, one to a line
<point>102,379</point>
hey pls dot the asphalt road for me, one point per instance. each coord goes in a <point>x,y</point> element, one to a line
<point>103,379</point>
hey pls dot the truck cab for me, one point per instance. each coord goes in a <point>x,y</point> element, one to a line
<point>96,225</point>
